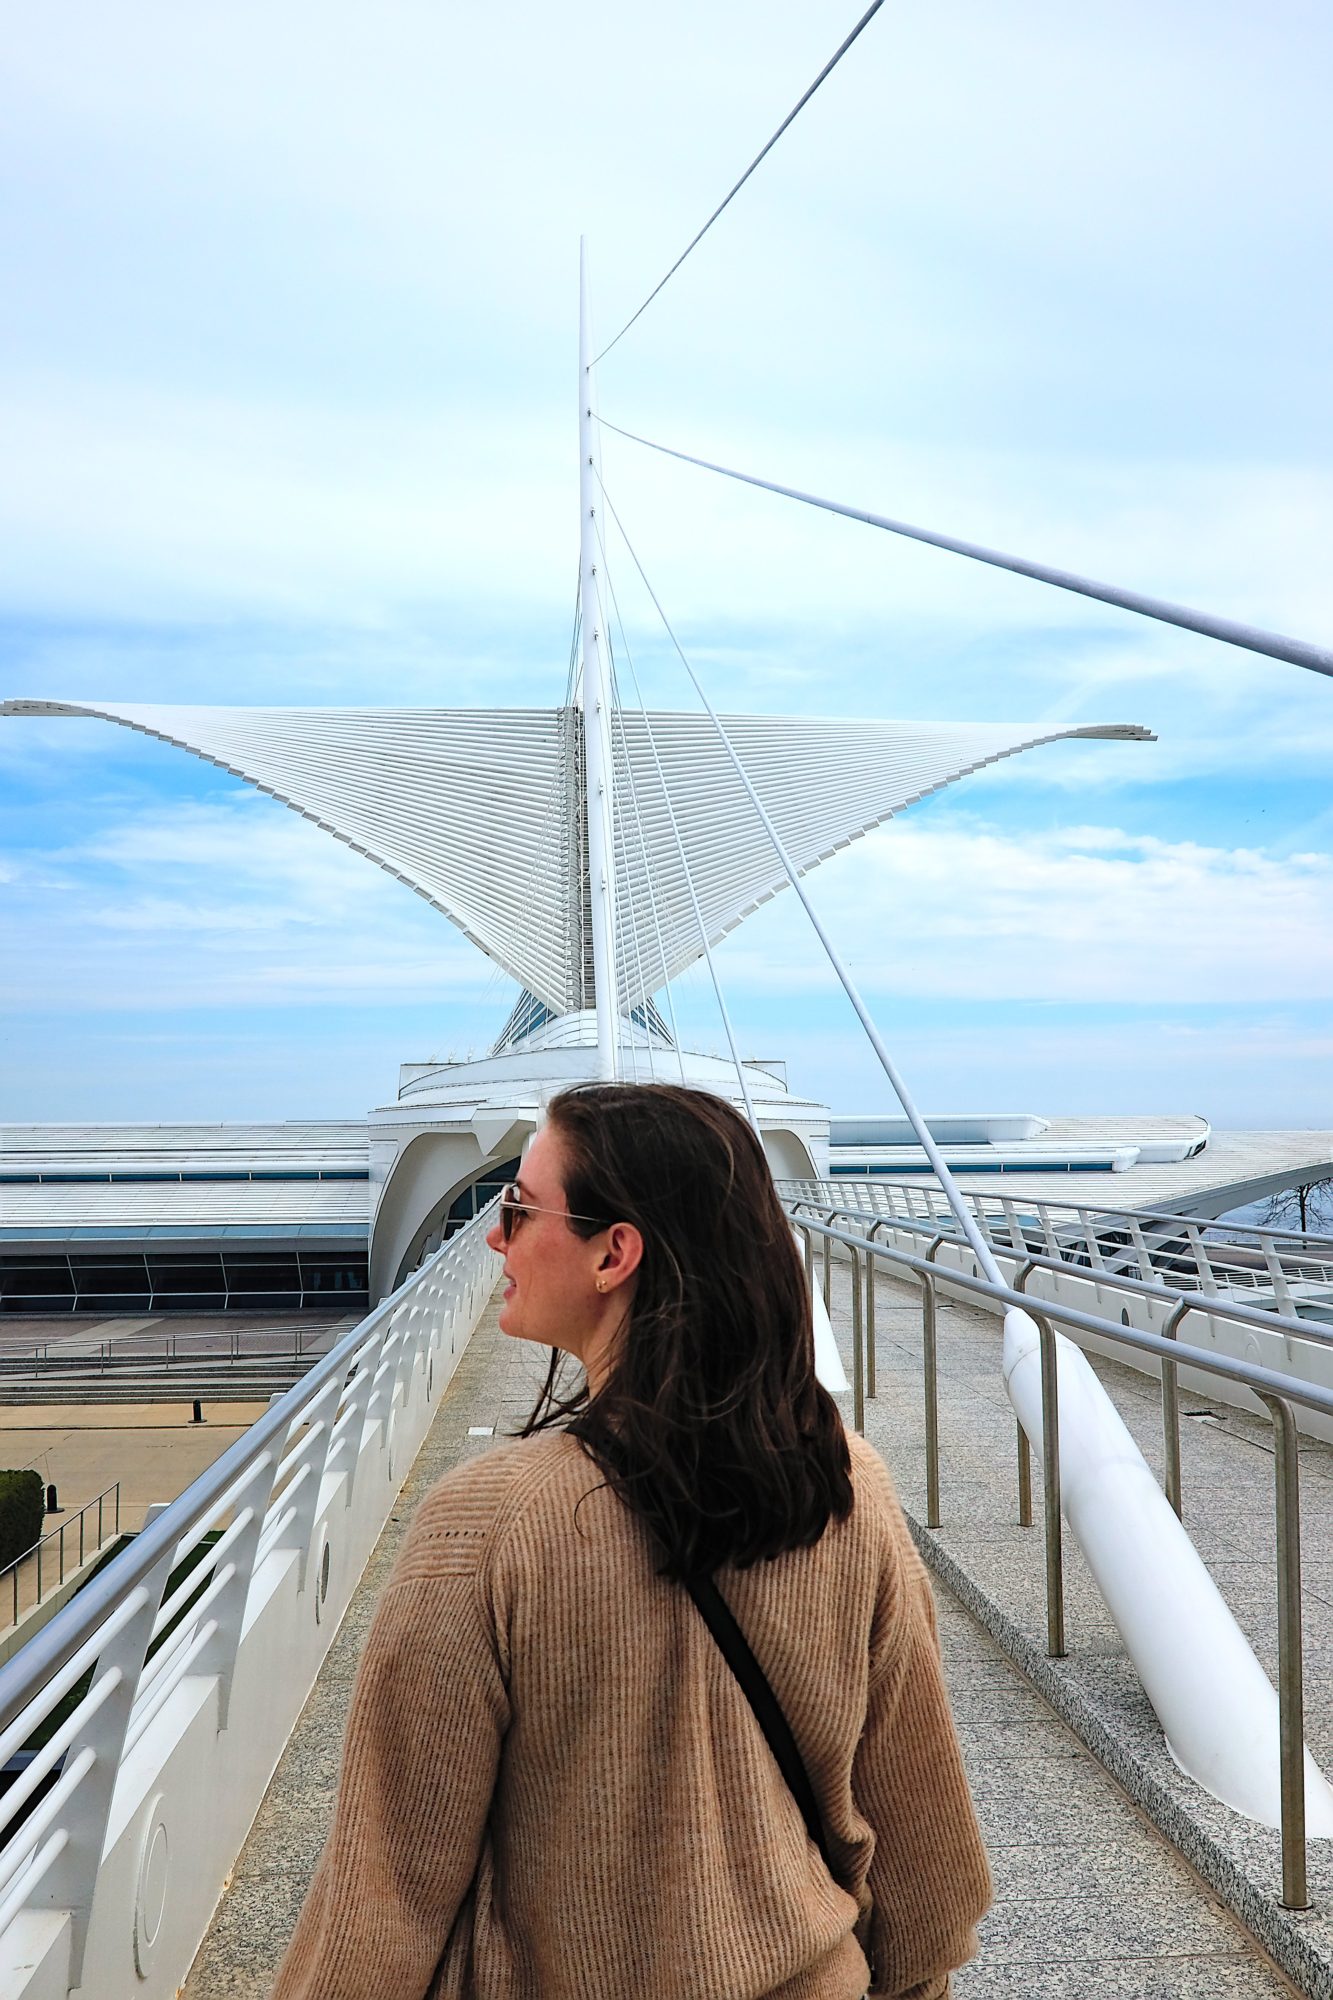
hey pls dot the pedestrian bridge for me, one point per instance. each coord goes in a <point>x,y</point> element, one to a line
<point>164,1699</point>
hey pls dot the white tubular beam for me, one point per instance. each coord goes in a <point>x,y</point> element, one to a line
<point>1214,1701</point>
<point>597,752</point>
<point>1300,652</point>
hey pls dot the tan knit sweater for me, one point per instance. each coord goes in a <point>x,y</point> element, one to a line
<point>553,1787</point>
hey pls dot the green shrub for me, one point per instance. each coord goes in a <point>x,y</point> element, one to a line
<point>22,1514</point>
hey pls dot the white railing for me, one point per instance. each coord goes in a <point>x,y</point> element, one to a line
<point>1150,1271</point>
<point>1214,1647</point>
<point>154,1708</point>
<point>1189,1253</point>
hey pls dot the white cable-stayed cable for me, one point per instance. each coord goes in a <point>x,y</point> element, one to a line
<point>977,1243</point>
<point>648,871</point>
<point>722,1007</point>
<point>627,918</point>
<point>657,927</point>
<point>635,927</point>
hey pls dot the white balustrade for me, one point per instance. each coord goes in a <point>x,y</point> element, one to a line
<point>1258,1295</point>
<point>186,1692</point>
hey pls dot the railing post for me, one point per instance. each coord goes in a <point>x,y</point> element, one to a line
<point>1281,1289</point>
<point>375,1393</point>
<point>1290,1663</point>
<point>218,1654</point>
<point>1096,1261</point>
<point>871,1335</point>
<point>1207,1282</point>
<point>71,1883</point>
<point>1025,1449</point>
<point>406,1319</point>
<point>827,1248</point>
<point>300,1530</point>
<point>809,1242</point>
<point>930,1389</point>
<point>1024,1479</point>
<point>858,1357</point>
<point>1142,1252</point>
<point>1050,1467</point>
<point>930,1380</point>
<point>1171,1409</point>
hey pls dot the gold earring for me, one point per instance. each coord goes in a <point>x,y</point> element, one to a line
<point>601,1286</point>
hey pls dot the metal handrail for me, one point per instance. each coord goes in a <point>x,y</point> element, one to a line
<point>1275,1390</point>
<point>1229,1235</point>
<point>108,1357</point>
<point>1211,1303</point>
<point>11,1570</point>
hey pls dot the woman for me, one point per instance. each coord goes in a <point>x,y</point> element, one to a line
<point>553,1784</point>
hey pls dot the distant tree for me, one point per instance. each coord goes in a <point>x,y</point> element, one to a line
<point>22,1514</point>
<point>1308,1208</point>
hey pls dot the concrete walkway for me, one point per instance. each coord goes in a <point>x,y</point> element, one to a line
<point>1090,1900</point>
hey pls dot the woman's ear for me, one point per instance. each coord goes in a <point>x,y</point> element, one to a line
<point>622,1254</point>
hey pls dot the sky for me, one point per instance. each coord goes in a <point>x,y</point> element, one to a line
<point>287,388</point>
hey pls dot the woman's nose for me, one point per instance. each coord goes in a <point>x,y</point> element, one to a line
<point>494,1238</point>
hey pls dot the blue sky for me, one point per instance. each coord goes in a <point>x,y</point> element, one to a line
<point>286,382</point>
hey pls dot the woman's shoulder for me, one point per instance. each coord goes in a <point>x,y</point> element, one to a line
<point>872,1479</point>
<point>877,1510</point>
<point>471,1504</point>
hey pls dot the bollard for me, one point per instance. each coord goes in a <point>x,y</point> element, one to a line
<point>52,1501</point>
<point>198,1416</point>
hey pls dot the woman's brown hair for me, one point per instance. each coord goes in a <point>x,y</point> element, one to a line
<point>711,1424</point>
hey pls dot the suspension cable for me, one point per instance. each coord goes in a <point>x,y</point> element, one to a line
<point>977,1243</point>
<point>1252,638</point>
<point>630,921</point>
<point>617,710</point>
<point>830,65</point>
<point>572,675</point>
<point>627,931</point>
<point>722,1007</point>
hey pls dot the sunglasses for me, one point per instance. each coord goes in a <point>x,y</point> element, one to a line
<point>515,1209</point>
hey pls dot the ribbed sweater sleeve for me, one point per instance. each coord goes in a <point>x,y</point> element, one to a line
<point>423,1743</point>
<point>929,1881</point>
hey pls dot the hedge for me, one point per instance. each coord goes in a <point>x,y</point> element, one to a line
<point>22,1514</point>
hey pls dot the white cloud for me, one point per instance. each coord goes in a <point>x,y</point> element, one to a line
<point>287,386</point>
<point>239,904</point>
<point>1083,914</point>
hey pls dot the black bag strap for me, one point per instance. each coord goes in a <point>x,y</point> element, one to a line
<point>735,1650</point>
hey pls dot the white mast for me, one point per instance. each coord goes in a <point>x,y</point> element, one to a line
<point>596,705</point>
